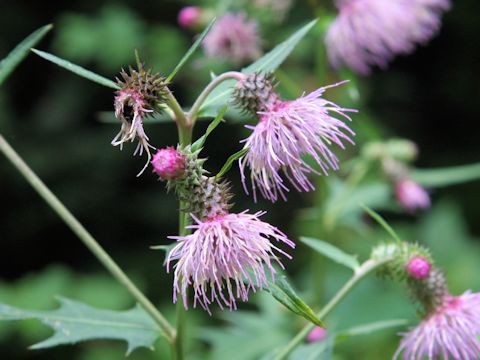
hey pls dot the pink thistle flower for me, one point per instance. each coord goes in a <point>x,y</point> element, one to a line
<point>233,38</point>
<point>287,131</point>
<point>189,16</point>
<point>418,267</point>
<point>169,164</point>
<point>372,32</point>
<point>450,331</point>
<point>411,195</point>
<point>317,334</point>
<point>225,258</point>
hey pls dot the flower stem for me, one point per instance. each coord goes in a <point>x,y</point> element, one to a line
<point>184,124</point>
<point>366,268</point>
<point>85,237</point>
<point>193,113</point>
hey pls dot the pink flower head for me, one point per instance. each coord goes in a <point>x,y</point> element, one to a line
<point>411,195</point>
<point>372,32</point>
<point>169,164</point>
<point>317,334</point>
<point>418,267</point>
<point>285,133</point>
<point>189,17</point>
<point>450,332</point>
<point>233,38</point>
<point>225,258</point>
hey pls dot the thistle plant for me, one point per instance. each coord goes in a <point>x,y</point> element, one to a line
<point>222,255</point>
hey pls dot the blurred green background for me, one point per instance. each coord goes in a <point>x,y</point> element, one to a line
<point>51,117</point>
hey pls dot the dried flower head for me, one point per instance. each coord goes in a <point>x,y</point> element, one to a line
<point>372,32</point>
<point>450,331</point>
<point>233,38</point>
<point>411,195</point>
<point>226,256</point>
<point>169,164</point>
<point>288,130</point>
<point>140,93</point>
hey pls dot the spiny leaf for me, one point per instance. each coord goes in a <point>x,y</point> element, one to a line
<point>10,62</point>
<point>332,252</point>
<point>269,62</point>
<point>447,176</point>
<point>190,51</point>
<point>283,292</point>
<point>74,321</point>
<point>228,164</point>
<point>201,141</point>
<point>382,222</point>
<point>87,74</point>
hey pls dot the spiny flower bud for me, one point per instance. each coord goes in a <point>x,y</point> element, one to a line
<point>255,92</point>
<point>169,164</point>
<point>139,95</point>
<point>418,267</point>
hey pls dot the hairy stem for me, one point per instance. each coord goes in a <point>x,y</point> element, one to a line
<point>366,268</point>
<point>85,237</point>
<point>193,113</point>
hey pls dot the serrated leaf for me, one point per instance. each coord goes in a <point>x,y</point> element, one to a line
<point>10,62</point>
<point>331,252</point>
<point>447,176</point>
<point>228,164</point>
<point>381,221</point>
<point>74,321</point>
<point>218,119</point>
<point>269,62</point>
<point>283,292</point>
<point>87,74</point>
<point>190,51</point>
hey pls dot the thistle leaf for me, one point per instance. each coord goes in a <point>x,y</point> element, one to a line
<point>228,164</point>
<point>74,321</point>
<point>197,145</point>
<point>332,252</point>
<point>381,221</point>
<point>16,56</point>
<point>447,176</point>
<point>87,74</point>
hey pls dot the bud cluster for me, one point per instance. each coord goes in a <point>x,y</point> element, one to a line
<point>255,93</point>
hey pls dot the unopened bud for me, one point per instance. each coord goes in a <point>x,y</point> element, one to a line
<point>411,195</point>
<point>169,164</point>
<point>255,92</point>
<point>189,17</point>
<point>317,334</point>
<point>418,268</point>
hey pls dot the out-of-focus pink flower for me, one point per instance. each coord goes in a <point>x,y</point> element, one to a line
<point>189,17</point>
<point>286,132</point>
<point>169,164</point>
<point>450,332</point>
<point>317,334</point>
<point>226,256</point>
<point>411,195</point>
<point>372,32</point>
<point>233,38</point>
<point>418,267</point>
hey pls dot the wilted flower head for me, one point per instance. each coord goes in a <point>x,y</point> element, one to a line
<point>226,256</point>
<point>139,93</point>
<point>286,131</point>
<point>411,195</point>
<point>169,163</point>
<point>451,331</point>
<point>189,16</point>
<point>233,38</point>
<point>372,32</point>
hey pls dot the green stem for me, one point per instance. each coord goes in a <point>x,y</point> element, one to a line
<point>366,268</point>
<point>184,124</point>
<point>85,237</point>
<point>193,113</point>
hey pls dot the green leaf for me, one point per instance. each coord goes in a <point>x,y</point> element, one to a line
<point>332,252</point>
<point>166,248</point>
<point>190,51</point>
<point>367,329</point>
<point>197,145</point>
<point>315,351</point>
<point>283,292</point>
<point>269,62</point>
<point>447,176</point>
<point>87,74</point>
<point>74,321</point>
<point>382,222</point>
<point>228,164</point>
<point>10,62</point>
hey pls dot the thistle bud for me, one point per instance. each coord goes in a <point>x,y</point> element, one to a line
<point>190,17</point>
<point>418,267</point>
<point>169,164</point>
<point>317,334</point>
<point>411,195</point>
<point>255,92</point>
